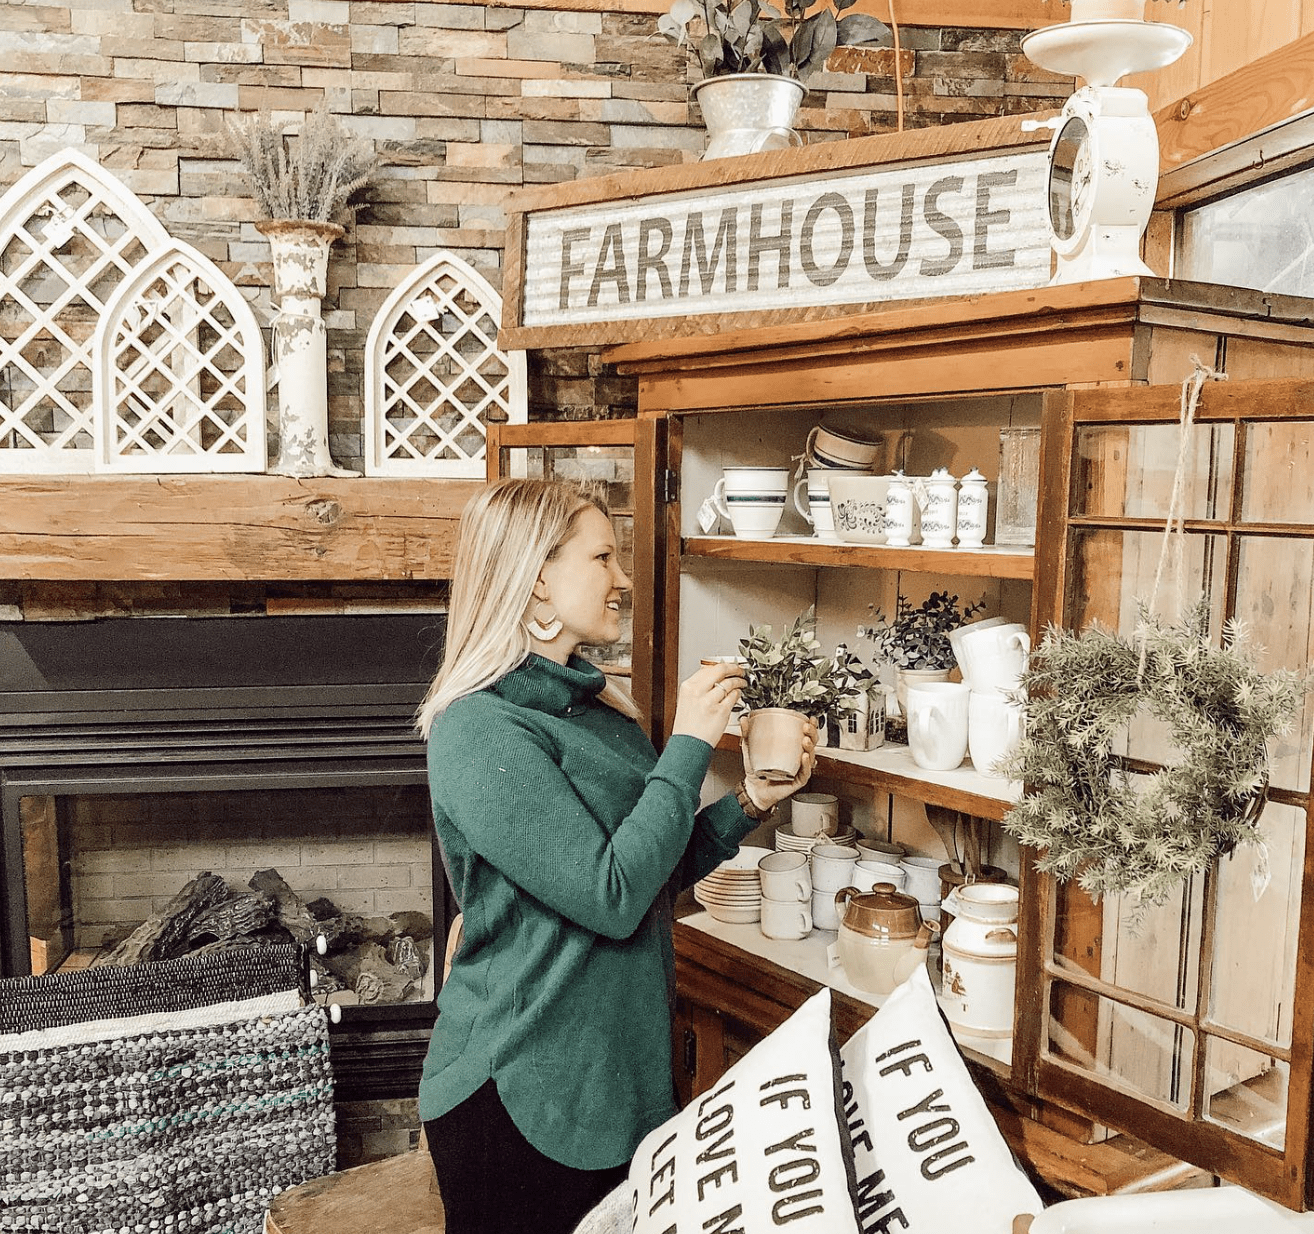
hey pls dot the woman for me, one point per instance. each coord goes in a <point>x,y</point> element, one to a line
<point>562,831</point>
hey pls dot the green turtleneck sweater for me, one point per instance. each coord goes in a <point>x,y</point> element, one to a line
<point>562,830</point>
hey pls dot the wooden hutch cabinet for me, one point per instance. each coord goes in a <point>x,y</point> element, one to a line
<point>1195,1035</point>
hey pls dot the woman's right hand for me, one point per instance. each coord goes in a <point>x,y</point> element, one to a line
<point>706,700</point>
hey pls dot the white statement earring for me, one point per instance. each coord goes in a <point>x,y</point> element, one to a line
<point>545,633</point>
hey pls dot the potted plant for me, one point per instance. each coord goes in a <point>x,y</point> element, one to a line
<point>789,681</point>
<point>754,60</point>
<point>301,187</point>
<point>1117,828</point>
<point>916,640</point>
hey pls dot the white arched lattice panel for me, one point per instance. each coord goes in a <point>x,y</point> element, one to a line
<point>70,232</point>
<point>180,372</point>
<point>433,369</point>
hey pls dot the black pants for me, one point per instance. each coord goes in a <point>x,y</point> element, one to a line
<point>493,1181</point>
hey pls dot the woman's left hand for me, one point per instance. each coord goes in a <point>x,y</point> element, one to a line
<point>766,794</point>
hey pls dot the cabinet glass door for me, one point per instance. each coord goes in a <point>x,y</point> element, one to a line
<point>1189,1025</point>
<point>620,457</point>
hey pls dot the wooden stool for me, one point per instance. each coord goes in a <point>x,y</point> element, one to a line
<point>393,1196</point>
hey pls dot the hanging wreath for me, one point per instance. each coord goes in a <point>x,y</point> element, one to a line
<point>1115,829</point>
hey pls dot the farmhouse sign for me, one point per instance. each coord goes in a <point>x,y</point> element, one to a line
<point>893,233</point>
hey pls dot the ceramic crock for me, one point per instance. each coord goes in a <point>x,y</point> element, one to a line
<point>979,957</point>
<point>881,937</point>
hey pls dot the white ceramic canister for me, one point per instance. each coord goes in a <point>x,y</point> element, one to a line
<point>973,502</point>
<point>979,959</point>
<point>898,511</point>
<point>938,510</point>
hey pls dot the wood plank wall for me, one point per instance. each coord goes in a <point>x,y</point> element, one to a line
<point>1229,34</point>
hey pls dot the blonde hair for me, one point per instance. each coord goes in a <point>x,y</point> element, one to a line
<point>509,531</point>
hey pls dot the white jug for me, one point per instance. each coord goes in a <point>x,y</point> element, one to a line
<point>979,958</point>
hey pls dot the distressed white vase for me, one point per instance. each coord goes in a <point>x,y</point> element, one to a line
<point>300,251</point>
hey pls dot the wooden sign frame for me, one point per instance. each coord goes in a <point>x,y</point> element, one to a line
<point>944,145</point>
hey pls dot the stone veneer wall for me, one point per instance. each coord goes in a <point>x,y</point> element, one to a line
<point>463,101</point>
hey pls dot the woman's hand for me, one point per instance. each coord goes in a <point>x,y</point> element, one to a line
<point>767,794</point>
<point>706,700</point>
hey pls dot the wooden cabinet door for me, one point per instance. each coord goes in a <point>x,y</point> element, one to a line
<point>624,457</point>
<point>1194,1028</point>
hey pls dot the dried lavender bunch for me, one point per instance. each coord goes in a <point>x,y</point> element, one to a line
<point>306,176</point>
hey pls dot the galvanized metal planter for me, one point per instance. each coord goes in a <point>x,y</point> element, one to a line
<point>749,112</point>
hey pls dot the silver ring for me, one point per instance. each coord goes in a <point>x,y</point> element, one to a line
<point>722,691</point>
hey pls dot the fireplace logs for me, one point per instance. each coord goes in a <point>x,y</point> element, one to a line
<point>370,960</point>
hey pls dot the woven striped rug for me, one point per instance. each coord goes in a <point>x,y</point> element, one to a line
<point>177,1126</point>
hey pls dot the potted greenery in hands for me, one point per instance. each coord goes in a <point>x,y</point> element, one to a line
<point>790,680</point>
<point>916,640</point>
<point>754,60</point>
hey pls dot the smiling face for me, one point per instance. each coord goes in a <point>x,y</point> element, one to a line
<point>583,583</point>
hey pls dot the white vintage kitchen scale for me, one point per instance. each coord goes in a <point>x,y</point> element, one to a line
<point>1104,158</point>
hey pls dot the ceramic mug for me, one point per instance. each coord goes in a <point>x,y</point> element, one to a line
<point>992,656</point>
<point>816,510</point>
<point>994,729</point>
<point>922,879</point>
<point>838,448</point>
<point>786,918</point>
<point>937,724</point>
<point>866,874</point>
<point>753,499</point>
<point>814,814</point>
<point>785,876</point>
<point>825,915</point>
<point>832,868</point>
<point>890,851</point>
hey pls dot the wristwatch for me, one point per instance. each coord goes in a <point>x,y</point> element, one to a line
<point>749,807</point>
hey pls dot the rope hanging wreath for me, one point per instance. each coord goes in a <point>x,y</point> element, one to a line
<point>1098,821</point>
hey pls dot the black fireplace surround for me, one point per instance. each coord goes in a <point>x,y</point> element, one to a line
<point>183,705</point>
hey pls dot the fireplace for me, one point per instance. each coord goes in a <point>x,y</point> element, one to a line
<point>139,753</point>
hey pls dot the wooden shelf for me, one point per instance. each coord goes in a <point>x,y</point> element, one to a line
<point>890,767</point>
<point>992,561</point>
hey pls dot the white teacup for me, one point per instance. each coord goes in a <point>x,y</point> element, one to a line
<point>816,510</point>
<point>866,874</point>
<point>994,729</point>
<point>786,918</point>
<point>832,866</point>
<point>825,915</point>
<point>753,499</point>
<point>785,876</point>
<point>937,724</point>
<point>922,879</point>
<point>814,814</point>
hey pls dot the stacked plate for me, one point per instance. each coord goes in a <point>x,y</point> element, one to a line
<point>786,840</point>
<point>732,892</point>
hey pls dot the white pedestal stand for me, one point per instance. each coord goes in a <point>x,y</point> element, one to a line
<point>1104,159</point>
<point>300,250</point>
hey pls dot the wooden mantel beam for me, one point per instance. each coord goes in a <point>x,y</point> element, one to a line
<point>228,528</point>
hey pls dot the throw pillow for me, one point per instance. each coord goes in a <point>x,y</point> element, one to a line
<point>927,1154</point>
<point>765,1148</point>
